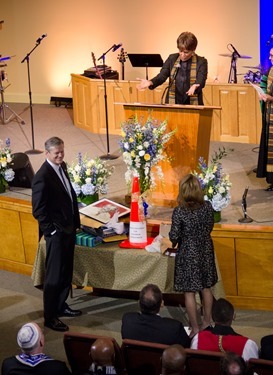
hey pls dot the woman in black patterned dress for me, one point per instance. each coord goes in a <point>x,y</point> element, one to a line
<point>195,269</point>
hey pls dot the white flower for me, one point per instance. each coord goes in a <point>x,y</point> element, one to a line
<point>214,182</point>
<point>6,172</point>
<point>88,189</point>
<point>142,148</point>
<point>9,174</point>
<point>89,176</point>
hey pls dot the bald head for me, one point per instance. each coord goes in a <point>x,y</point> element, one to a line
<point>103,352</point>
<point>173,360</point>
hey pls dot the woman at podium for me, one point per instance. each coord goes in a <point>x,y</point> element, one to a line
<point>187,73</point>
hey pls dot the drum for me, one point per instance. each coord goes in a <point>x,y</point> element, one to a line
<point>254,77</point>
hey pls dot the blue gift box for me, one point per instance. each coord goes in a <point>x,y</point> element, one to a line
<point>85,239</point>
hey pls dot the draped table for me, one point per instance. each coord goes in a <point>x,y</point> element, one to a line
<point>107,266</point>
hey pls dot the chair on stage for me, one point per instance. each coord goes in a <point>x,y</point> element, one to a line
<point>260,366</point>
<point>77,348</point>
<point>203,362</point>
<point>142,357</point>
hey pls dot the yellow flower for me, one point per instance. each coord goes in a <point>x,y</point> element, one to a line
<point>147,157</point>
<point>210,191</point>
<point>133,154</point>
<point>131,140</point>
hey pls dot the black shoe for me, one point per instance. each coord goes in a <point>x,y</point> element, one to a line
<point>270,188</point>
<point>71,313</point>
<point>56,325</point>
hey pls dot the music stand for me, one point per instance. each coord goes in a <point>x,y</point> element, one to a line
<point>153,60</point>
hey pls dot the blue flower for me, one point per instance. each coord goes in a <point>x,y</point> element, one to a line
<point>89,176</point>
<point>142,147</point>
<point>214,182</point>
<point>6,172</point>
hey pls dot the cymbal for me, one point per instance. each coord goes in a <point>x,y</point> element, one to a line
<point>230,55</point>
<point>5,58</point>
<point>253,67</point>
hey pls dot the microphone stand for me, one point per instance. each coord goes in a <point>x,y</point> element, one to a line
<point>107,156</point>
<point>167,88</point>
<point>233,69</point>
<point>246,218</point>
<point>26,58</point>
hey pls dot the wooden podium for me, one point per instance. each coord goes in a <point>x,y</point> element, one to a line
<point>190,141</point>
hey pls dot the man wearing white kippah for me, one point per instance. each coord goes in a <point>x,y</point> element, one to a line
<point>32,360</point>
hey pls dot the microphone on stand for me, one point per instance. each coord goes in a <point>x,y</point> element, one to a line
<point>116,46</point>
<point>269,40</point>
<point>246,218</point>
<point>170,84</point>
<point>38,41</point>
<point>235,50</point>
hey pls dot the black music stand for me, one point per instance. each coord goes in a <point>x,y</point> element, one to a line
<point>153,60</point>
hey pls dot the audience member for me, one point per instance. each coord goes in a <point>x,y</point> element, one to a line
<point>32,360</point>
<point>174,360</point>
<point>102,352</point>
<point>222,337</point>
<point>233,364</point>
<point>267,347</point>
<point>148,325</point>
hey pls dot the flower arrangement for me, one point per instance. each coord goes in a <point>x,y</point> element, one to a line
<point>6,172</point>
<point>214,182</point>
<point>89,176</point>
<point>142,148</point>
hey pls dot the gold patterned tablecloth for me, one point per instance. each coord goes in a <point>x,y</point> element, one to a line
<point>107,266</point>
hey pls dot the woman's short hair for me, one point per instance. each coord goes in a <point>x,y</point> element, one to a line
<point>187,41</point>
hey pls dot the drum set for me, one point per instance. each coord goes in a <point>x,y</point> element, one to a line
<point>253,76</point>
<point>250,76</point>
<point>4,107</point>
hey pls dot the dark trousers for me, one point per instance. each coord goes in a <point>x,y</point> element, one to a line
<point>58,273</point>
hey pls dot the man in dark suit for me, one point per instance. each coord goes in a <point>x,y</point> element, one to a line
<point>148,325</point>
<point>54,205</point>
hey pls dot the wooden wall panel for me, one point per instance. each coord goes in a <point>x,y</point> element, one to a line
<point>225,253</point>
<point>239,120</point>
<point>30,236</point>
<point>255,267</point>
<point>11,236</point>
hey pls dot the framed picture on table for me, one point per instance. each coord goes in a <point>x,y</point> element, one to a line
<point>104,209</point>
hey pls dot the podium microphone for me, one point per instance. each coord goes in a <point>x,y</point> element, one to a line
<point>167,88</point>
<point>246,218</point>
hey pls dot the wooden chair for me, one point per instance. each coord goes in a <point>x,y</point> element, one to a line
<point>260,366</point>
<point>203,362</point>
<point>77,347</point>
<point>141,357</point>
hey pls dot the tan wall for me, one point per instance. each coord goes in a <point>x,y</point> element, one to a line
<point>77,28</point>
